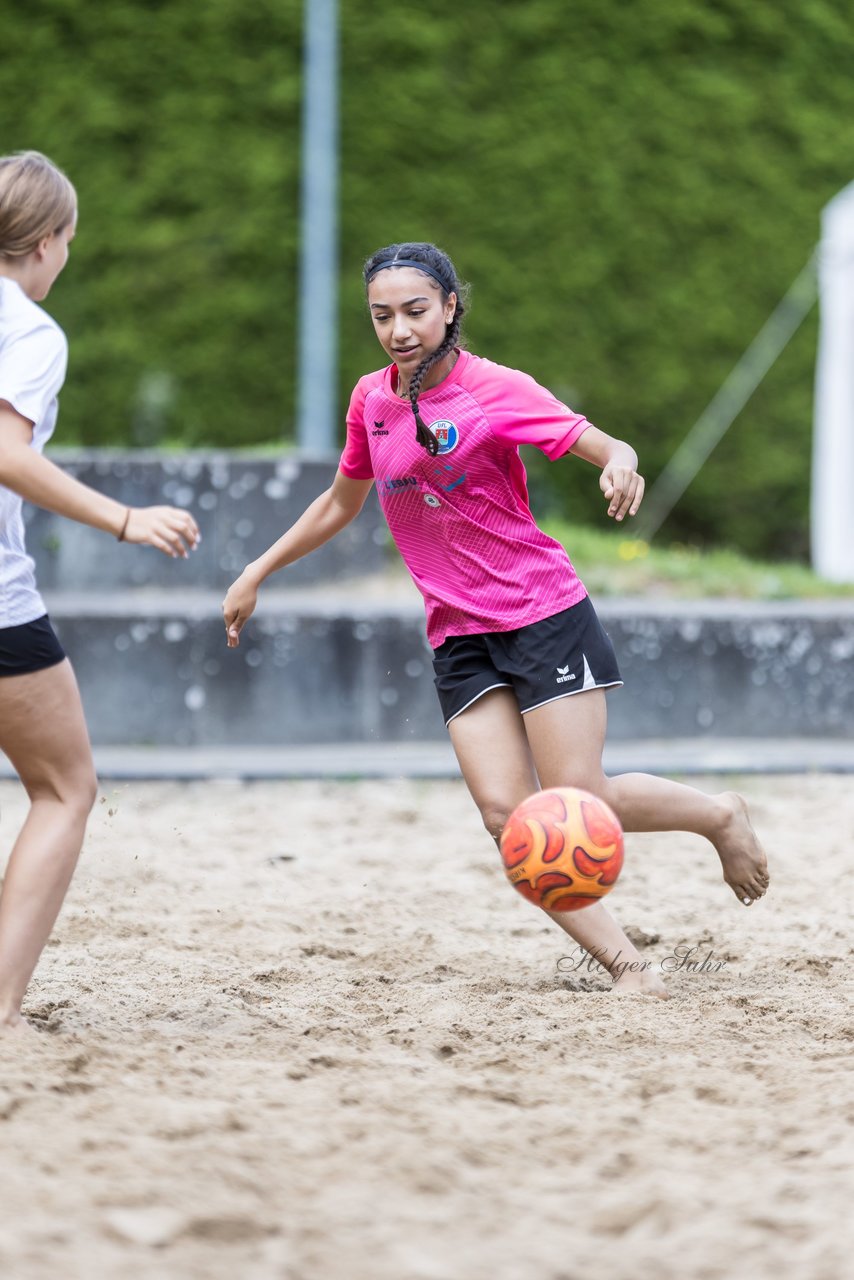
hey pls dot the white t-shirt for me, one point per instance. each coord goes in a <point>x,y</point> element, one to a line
<point>33,358</point>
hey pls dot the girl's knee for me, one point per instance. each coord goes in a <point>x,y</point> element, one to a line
<point>77,792</point>
<point>495,818</point>
<point>81,793</point>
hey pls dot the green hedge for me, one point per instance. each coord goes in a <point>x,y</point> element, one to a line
<point>179,125</point>
<point>629,186</point>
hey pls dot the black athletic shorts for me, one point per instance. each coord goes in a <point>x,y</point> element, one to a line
<point>32,646</point>
<point>567,653</point>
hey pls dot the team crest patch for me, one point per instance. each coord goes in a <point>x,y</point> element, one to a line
<point>446,433</point>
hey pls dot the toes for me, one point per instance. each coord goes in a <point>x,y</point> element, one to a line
<point>749,891</point>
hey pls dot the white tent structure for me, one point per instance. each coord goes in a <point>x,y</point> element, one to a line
<point>832,504</point>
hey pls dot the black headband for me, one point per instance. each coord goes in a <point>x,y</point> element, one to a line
<point>410,262</point>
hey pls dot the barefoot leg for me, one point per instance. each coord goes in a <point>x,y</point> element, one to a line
<point>596,930</point>
<point>492,749</point>
<point>43,733</point>
<point>566,739</point>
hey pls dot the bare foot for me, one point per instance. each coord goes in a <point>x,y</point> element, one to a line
<point>19,1028</point>
<point>642,982</point>
<point>742,856</point>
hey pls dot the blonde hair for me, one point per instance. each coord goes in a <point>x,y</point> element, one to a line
<point>36,200</point>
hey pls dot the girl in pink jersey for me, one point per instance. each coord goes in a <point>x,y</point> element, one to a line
<point>521,662</point>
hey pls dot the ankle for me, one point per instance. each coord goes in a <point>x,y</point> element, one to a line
<point>627,960</point>
<point>725,813</point>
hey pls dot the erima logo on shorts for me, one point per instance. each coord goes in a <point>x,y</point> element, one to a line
<point>563,676</point>
<point>446,433</point>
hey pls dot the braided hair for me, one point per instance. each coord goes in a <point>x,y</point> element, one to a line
<point>438,266</point>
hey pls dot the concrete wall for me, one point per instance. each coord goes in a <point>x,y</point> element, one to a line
<point>733,669</point>
<point>308,672</point>
<point>328,663</point>
<point>242,503</point>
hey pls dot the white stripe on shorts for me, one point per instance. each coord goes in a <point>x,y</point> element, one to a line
<point>572,693</point>
<point>503,685</point>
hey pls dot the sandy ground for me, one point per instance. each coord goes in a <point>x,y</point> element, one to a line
<point>303,1031</point>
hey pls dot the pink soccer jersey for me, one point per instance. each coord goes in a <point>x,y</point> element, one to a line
<point>461,520</point>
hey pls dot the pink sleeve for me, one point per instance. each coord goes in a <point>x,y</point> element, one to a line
<point>356,459</point>
<point>520,411</point>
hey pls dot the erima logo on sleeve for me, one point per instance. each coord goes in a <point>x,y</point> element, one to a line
<point>380,429</point>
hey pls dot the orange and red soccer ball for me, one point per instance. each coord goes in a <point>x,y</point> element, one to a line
<point>562,849</point>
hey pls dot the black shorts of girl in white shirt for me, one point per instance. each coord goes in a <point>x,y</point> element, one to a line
<point>32,646</point>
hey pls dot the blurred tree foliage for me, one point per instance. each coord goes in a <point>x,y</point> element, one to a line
<point>179,125</point>
<point>629,185</point>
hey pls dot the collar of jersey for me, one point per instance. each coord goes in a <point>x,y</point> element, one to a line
<point>462,360</point>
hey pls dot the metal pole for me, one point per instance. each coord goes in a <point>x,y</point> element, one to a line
<point>318,318</point>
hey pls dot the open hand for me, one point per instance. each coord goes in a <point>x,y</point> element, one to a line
<point>170,529</point>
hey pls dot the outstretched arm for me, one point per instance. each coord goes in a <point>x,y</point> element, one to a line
<point>326,516</point>
<point>35,478</point>
<point>620,482</point>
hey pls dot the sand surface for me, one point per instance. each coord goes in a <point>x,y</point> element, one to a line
<point>306,1031</point>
